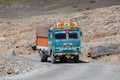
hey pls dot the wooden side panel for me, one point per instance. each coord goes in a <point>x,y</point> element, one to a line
<point>42,42</point>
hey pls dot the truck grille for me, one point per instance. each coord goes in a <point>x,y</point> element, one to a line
<point>67,47</point>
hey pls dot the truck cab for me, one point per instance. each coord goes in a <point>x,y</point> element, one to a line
<point>65,42</point>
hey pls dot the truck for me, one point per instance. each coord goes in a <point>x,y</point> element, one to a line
<point>62,43</point>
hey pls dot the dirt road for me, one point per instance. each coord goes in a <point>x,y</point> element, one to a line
<point>71,71</point>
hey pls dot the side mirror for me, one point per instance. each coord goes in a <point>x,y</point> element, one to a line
<point>80,33</point>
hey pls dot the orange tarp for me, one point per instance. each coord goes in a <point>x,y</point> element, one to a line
<point>42,41</point>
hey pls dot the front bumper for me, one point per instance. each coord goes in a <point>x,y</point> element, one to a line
<point>67,55</point>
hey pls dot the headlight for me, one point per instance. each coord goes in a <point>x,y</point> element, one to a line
<point>58,48</point>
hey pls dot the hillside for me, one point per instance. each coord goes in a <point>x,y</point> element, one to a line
<point>100,28</point>
<point>14,9</point>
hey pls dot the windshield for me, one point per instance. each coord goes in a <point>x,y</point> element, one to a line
<point>73,36</point>
<point>60,36</point>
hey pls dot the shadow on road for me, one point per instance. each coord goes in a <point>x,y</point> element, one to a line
<point>83,61</point>
<point>69,62</point>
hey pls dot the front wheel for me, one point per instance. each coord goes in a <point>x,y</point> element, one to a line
<point>76,59</point>
<point>43,57</point>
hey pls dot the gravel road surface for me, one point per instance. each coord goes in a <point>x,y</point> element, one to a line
<point>71,71</point>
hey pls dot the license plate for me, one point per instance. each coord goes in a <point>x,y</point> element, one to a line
<point>68,56</point>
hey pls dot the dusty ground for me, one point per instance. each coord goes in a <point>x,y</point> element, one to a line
<point>14,65</point>
<point>101,27</point>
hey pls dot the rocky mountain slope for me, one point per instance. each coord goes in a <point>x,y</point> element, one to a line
<point>14,9</point>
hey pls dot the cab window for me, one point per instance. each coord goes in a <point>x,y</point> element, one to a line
<point>60,36</point>
<point>73,36</point>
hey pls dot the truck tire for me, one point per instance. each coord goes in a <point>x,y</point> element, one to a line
<point>76,59</point>
<point>53,59</point>
<point>43,57</point>
<point>63,60</point>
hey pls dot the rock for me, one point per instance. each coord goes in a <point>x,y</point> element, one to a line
<point>92,1</point>
<point>10,71</point>
<point>13,53</point>
<point>16,71</point>
<point>113,46</point>
<point>98,51</point>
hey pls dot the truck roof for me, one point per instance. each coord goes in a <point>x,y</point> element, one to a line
<point>42,30</point>
<point>64,25</point>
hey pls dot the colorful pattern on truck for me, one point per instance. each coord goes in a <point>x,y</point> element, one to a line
<point>65,39</point>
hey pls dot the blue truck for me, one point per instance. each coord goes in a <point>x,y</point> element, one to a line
<point>64,42</point>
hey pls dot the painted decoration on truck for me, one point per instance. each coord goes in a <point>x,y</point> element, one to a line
<point>66,25</point>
